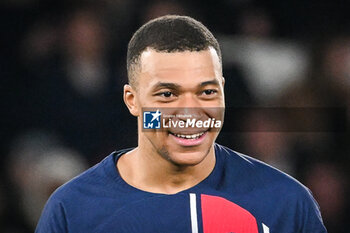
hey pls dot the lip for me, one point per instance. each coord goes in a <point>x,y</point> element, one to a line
<point>189,142</point>
<point>188,131</point>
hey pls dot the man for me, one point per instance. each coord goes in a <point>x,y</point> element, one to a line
<point>177,179</point>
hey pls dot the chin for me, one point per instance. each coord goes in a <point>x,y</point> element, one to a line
<point>187,158</point>
<point>182,151</point>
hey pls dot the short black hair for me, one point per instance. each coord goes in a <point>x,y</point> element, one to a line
<point>170,33</point>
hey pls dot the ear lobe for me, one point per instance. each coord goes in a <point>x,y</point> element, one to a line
<point>130,100</point>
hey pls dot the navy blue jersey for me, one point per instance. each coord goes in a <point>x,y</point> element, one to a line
<point>241,195</point>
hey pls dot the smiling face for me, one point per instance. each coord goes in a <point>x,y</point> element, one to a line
<point>181,81</point>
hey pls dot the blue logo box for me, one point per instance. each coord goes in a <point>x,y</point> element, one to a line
<point>151,119</point>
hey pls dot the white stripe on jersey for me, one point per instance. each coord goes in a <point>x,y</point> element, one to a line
<point>193,208</point>
<point>265,228</point>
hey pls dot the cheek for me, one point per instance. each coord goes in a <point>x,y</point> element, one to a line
<point>216,112</point>
<point>159,138</point>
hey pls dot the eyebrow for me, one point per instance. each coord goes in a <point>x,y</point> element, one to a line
<point>160,85</point>
<point>166,85</point>
<point>210,82</point>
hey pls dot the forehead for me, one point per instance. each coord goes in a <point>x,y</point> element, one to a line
<point>180,64</point>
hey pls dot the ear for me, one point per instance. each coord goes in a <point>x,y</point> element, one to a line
<point>130,100</point>
<point>223,81</point>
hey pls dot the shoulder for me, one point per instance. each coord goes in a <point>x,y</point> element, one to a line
<point>261,176</point>
<point>92,194</point>
<point>87,182</point>
<point>73,198</point>
<point>270,190</point>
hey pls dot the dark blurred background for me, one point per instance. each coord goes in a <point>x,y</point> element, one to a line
<point>62,69</point>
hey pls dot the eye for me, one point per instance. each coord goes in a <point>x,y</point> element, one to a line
<point>166,94</point>
<point>209,92</point>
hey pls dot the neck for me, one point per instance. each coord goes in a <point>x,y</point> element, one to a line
<point>145,169</point>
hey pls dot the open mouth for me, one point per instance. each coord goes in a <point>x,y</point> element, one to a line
<point>189,136</point>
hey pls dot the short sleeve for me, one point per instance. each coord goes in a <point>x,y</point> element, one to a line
<point>53,218</point>
<point>312,221</point>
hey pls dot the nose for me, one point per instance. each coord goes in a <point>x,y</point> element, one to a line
<point>189,100</point>
<point>189,106</point>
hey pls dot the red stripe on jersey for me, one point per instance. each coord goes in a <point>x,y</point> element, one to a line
<point>222,216</point>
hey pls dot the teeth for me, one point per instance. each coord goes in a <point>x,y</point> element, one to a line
<point>191,136</point>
